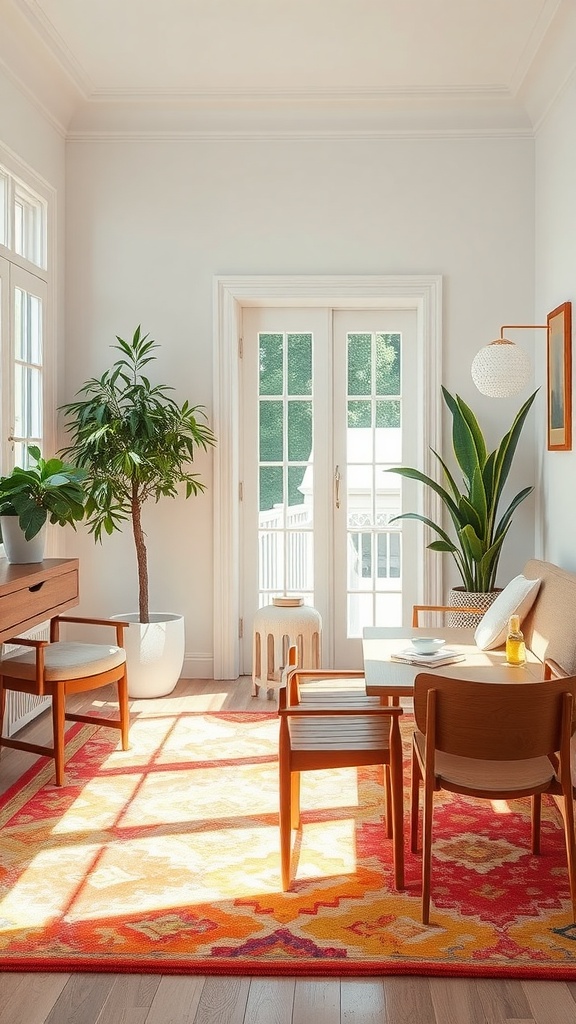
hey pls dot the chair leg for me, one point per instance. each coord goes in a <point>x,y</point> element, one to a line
<point>536,818</point>
<point>570,845</point>
<point>284,793</point>
<point>388,798</point>
<point>295,799</point>
<point>2,707</point>
<point>58,724</point>
<point>124,709</point>
<point>414,801</point>
<point>397,803</point>
<point>427,849</point>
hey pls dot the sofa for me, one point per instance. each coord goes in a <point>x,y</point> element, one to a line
<point>550,626</point>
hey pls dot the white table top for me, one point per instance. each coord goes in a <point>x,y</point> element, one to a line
<point>384,676</point>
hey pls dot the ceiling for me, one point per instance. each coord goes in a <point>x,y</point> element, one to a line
<point>398,63</point>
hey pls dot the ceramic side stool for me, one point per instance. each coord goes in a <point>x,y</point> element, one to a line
<point>277,626</point>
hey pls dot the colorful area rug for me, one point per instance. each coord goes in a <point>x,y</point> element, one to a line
<point>165,859</point>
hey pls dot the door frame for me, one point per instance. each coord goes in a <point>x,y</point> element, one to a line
<point>230,294</point>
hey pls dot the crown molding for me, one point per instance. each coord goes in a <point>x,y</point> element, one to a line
<point>32,68</point>
<point>55,45</point>
<point>410,114</point>
<point>553,67</point>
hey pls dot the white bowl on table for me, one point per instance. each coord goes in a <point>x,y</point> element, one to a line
<point>426,644</point>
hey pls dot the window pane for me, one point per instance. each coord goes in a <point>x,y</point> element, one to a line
<point>299,364</point>
<point>388,414</point>
<point>271,372</point>
<point>271,432</point>
<point>359,414</point>
<point>299,431</point>
<point>299,561</point>
<point>29,221</point>
<point>360,613</point>
<point>295,494</point>
<point>271,492</point>
<point>387,364</point>
<point>359,364</point>
<point>388,610</point>
<point>19,323</point>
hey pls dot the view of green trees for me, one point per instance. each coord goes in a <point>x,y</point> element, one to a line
<point>285,405</point>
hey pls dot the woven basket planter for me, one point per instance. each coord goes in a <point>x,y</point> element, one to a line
<point>460,598</point>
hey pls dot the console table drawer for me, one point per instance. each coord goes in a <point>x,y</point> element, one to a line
<point>30,594</point>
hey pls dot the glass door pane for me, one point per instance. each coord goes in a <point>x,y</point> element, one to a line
<point>372,399</point>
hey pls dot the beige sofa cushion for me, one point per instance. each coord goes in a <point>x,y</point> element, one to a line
<point>550,626</point>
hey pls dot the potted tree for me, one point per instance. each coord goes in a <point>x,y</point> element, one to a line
<point>136,443</point>
<point>49,490</point>
<point>474,505</point>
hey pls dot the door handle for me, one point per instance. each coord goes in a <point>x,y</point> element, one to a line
<point>337,486</point>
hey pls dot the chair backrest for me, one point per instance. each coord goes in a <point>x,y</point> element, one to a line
<point>495,721</point>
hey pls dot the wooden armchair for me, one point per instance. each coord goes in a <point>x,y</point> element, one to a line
<point>57,669</point>
<point>495,741</point>
<point>336,730</point>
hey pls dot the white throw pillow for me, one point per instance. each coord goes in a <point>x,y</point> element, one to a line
<point>516,599</point>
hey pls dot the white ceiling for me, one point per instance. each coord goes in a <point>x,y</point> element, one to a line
<point>402,59</point>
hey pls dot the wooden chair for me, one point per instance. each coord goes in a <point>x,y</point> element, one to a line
<point>333,731</point>
<point>321,687</point>
<point>494,741</point>
<point>421,609</point>
<point>57,669</point>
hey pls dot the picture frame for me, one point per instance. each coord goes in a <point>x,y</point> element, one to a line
<point>559,378</point>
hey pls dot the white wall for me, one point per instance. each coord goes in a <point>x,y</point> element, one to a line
<point>36,143</point>
<point>555,202</point>
<point>150,222</point>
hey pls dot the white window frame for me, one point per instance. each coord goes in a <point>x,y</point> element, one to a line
<point>21,184</point>
<point>419,292</point>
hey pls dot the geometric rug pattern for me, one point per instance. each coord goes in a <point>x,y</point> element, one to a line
<point>165,858</point>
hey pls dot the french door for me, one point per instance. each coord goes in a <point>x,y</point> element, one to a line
<point>329,405</point>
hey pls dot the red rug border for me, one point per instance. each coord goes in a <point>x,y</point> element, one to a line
<point>260,968</point>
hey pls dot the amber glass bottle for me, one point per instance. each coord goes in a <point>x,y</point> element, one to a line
<point>515,646</point>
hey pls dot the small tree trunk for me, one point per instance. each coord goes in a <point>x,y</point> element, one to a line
<point>141,555</point>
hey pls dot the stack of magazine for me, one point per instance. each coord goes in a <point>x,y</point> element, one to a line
<point>410,656</point>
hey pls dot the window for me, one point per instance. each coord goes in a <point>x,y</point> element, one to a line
<point>24,283</point>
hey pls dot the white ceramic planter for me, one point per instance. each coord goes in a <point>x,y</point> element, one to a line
<point>17,549</point>
<point>154,653</point>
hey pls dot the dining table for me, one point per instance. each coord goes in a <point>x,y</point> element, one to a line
<point>386,677</point>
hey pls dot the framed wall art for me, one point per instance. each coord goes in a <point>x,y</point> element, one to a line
<point>559,378</point>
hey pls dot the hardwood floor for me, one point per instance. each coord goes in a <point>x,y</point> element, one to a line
<point>156,999</point>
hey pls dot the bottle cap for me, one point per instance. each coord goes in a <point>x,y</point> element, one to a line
<point>514,624</point>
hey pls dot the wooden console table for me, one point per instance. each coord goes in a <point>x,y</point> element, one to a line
<point>33,593</point>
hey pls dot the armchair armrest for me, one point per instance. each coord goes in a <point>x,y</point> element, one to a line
<point>117,624</point>
<point>417,608</point>
<point>552,670</point>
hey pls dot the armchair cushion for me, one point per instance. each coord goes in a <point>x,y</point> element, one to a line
<point>517,598</point>
<point>65,661</point>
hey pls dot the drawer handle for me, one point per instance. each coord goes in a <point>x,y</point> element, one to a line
<point>36,587</point>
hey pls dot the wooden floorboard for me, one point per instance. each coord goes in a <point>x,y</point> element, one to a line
<point>81,998</point>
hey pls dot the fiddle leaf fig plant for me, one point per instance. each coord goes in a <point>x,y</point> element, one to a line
<point>473,505</point>
<point>47,490</point>
<point>135,442</point>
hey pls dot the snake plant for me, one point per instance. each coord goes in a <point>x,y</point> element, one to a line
<point>473,507</point>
